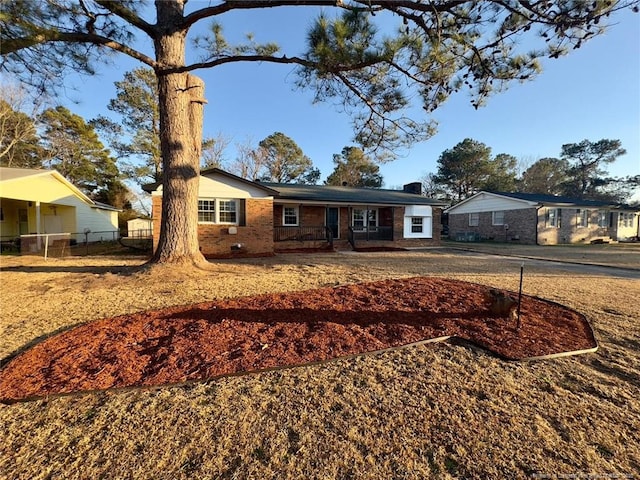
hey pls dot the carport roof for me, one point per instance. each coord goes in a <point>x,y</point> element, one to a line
<point>10,174</point>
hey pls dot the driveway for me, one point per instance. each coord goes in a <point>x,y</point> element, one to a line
<point>619,260</point>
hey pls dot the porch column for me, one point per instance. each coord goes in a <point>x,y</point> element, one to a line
<point>38,223</point>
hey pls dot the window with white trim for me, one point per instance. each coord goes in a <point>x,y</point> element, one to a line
<point>603,219</point>
<point>290,216</point>
<point>417,224</point>
<point>474,219</point>
<point>207,210</point>
<point>583,217</point>
<point>218,210</point>
<point>553,218</point>
<point>625,219</point>
<point>497,218</point>
<point>362,218</point>
<point>228,211</point>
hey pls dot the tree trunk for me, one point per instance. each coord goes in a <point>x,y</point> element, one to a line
<point>180,141</point>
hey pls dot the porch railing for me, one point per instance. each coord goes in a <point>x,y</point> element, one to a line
<point>370,234</point>
<point>302,234</point>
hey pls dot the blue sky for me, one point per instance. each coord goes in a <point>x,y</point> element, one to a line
<point>592,93</point>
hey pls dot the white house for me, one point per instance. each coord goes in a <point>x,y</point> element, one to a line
<point>36,202</point>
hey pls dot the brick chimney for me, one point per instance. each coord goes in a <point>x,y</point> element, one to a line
<point>414,187</point>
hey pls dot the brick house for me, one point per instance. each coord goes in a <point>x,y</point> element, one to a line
<point>540,219</point>
<point>251,218</point>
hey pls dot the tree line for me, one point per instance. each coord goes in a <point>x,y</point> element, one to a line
<point>59,139</point>
<point>579,172</point>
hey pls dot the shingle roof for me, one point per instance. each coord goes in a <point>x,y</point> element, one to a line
<point>327,193</point>
<point>556,199</point>
<point>360,196</point>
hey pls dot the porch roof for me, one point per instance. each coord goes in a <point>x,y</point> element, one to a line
<point>347,195</point>
<point>10,176</point>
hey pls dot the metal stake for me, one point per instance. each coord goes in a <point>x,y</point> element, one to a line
<point>520,294</point>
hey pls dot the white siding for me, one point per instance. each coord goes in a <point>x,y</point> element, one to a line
<point>220,186</point>
<point>418,211</point>
<point>139,224</point>
<point>97,220</point>
<point>52,193</point>
<point>489,203</point>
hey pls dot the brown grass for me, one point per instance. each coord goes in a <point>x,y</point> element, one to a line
<point>438,411</point>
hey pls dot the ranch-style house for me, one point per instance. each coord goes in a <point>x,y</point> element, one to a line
<point>532,218</point>
<point>239,217</point>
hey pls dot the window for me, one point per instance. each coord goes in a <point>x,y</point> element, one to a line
<point>207,211</point>
<point>497,218</point>
<point>416,224</point>
<point>583,218</point>
<point>1,215</point>
<point>372,217</point>
<point>290,216</point>
<point>626,219</point>
<point>227,210</point>
<point>362,219</point>
<point>553,217</point>
<point>603,219</point>
<point>474,219</point>
<point>212,210</point>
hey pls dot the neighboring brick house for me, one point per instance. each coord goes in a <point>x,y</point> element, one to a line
<point>540,219</point>
<point>246,218</point>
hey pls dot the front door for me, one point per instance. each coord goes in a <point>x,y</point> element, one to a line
<point>23,221</point>
<point>332,220</point>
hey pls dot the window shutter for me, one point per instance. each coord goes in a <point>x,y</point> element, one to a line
<point>242,216</point>
<point>546,217</point>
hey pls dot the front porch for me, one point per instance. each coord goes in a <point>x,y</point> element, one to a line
<point>302,237</point>
<point>21,217</point>
<point>303,226</point>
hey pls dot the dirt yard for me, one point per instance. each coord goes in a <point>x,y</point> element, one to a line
<point>435,410</point>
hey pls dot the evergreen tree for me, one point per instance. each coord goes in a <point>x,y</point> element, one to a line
<point>546,176</point>
<point>355,169</point>
<point>285,162</point>
<point>587,162</point>
<point>73,148</point>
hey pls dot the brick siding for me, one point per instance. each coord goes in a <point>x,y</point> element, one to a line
<point>569,232</point>
<point>254,239</point>
<point>522,227</point>
<point>521,222</point>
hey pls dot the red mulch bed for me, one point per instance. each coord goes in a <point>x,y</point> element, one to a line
<point>207,340</point>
